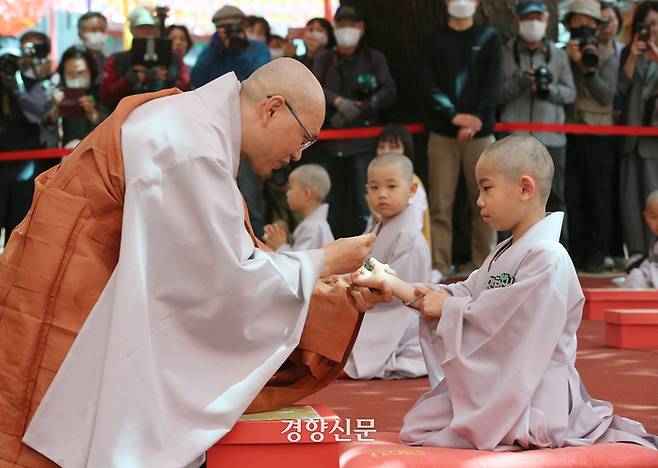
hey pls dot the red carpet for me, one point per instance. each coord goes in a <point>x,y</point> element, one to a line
<point>627,378</point>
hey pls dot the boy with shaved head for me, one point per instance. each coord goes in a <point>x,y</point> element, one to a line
<point>388,346</point>
<point>645,274</point>
<point>506,337</point>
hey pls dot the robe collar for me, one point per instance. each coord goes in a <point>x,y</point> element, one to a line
<point>215,95</point>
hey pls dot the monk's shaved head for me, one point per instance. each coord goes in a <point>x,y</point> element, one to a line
<point>518,155</point>
<point>400,160</point>
<point>295,82</point>
<point>652,200</point>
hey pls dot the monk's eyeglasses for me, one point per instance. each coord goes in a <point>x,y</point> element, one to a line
<point>310,139</point>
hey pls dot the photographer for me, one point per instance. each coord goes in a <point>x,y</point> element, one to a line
<point>229,49</point>
<point>121,78</point>
<point>77,96</point>
<point>638,83</point>
<point>590,158</point>
<point>358,87</point>
<point>537,85</point>
<point>25,122</point>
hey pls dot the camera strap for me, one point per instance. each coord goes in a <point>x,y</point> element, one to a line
<point>545,48</point>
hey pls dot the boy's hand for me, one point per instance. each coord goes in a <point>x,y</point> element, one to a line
<point>274,236</point>
<point>431,307</point>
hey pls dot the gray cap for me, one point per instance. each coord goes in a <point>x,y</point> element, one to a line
<point>228,14</point>
<point>590,8</point>
<point>141,16</point>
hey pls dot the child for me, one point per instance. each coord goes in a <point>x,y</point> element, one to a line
<point>308,186</point>
<point>387,346</point>
<point>646,274</point>
<point>506,337</point>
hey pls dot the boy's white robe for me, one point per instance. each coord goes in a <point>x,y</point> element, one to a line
<point>506,341</point>
<point>313,232</point>
<point>388,346</point>
<point>645,275</point>
<point>194,320</point>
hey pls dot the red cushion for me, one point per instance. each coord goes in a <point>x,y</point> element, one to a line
<point>387,452</point>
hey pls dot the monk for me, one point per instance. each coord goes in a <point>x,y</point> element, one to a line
<point>136,245</point>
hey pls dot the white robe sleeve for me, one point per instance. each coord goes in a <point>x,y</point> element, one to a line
<point>495,350</point>
<point>191,325</point>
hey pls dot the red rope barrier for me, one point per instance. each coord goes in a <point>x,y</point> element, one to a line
<point>370,132</point>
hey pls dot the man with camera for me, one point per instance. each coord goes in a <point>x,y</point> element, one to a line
<point>358,88</point>
<point>590,158</point>
<point>138,71</point>
<point>27,104</point>
<point>537,86</point>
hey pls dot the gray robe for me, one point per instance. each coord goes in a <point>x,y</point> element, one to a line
<point>388,346</point>
<point>507,343</point>
<point>312,233</point>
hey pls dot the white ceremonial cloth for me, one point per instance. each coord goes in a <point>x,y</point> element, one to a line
<point>194,320</point>
<point>388,345</point>
<point>506,341</point>
<point>313,232</point>
<point>645,275</point>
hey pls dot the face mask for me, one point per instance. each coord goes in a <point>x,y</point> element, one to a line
<point>276,53</point>
<point>461,9</point>
<point>81,82</point>
<point>255,37</point>
<point>532,31</point>
<point>95,40</point>
<point>320,36</point>
<point>347,37</point>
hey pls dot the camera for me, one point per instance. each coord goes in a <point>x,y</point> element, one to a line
<point>543,80</point>
<point>644,32</point>
<point>236,36</point>
<point>35,49</point>
<point>366,84</point>
<point>588,44</point>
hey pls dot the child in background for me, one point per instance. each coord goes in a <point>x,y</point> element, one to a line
<point>506,337</point>
<point>646,274</point>
<point>308,186</point>
<point>387,346</point>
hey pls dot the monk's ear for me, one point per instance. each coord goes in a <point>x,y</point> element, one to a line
<point>272,107</point>
<point>528,187</point>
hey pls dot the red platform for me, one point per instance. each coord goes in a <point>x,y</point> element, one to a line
<point>631,329</point>
<point>597,301</point>
<point>386,452</point>
<point>265,439</point>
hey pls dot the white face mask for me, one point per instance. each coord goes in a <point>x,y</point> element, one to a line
<point>95,40</point>
<point>276,53</point>
<point>81,82</point>
<point>347,37</point>
<point>319,36</point>
<point>462,9</point>
<point>532,30</point>
<point>255,37</point>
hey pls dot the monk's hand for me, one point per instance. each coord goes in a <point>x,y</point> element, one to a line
<point>366,298</point>
<point>346,255</point>
<point>431,306</point>
<point>274,236</point>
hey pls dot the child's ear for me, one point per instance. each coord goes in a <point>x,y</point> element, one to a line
<point>413,188</point>
<point>308,193</point>
<point>528,188</point>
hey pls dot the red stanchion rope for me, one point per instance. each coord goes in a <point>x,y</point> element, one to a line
<point>370,132</point>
